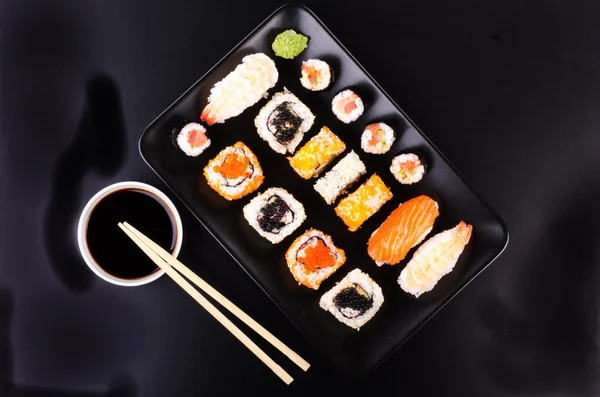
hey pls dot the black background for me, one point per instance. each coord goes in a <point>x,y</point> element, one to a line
<point>509,91</point>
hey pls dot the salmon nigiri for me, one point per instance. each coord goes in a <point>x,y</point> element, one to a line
<point>434,259</point>
<point>406,227</point>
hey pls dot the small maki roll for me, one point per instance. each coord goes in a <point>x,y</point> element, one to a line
<point>353,301</point>
<point>283,121</point>
<point>336,181</point>
<point>274,214</point>
<point>347,106</point>
<point>377,138</point>
<point>408,168</point>
<point>317,153</point>
<point>316,75</point>
<point>313,257</point>
<point>235,172</point>
<point>192,139</point>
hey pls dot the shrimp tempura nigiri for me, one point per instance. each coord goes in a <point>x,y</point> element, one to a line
<point>434,259</point>
<point>240,89</point>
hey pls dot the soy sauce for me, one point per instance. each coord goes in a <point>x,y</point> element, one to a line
<point>112,249</point>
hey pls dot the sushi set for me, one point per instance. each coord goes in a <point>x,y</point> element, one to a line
<point>323,190</point>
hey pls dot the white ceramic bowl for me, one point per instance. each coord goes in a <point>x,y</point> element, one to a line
<point>82,230</point>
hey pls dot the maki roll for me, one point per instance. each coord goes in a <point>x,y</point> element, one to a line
<point>377,138</point>
<point>192,139</point>
<point>354,300</point>
<point>336,181</point>
<point>365,201</point>
<point>235,172</point>
<point>313,257</point>
<point>316,75</point>
<point>408,168</point>
<point>347,106</point>
<point>317,153</point>
<point>283,121</point>
<point>274,214</point>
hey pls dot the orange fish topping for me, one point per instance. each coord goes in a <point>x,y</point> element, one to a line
<point>317,256</point>
<point>376,136</point>
<point>312,73</point>
<point>233,167</point>
<point>197,138</point>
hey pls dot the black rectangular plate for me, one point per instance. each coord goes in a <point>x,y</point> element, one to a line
<point>401,314</point>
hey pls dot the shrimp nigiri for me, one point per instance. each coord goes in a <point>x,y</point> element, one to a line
<point>434,259</point>
<point>240,89</point>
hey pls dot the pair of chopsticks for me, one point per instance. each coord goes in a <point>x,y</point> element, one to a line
<point>172,266</point>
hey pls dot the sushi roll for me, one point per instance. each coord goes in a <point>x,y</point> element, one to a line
<point>192,139</point>
<point>353,301</point>
<point>283,121</point>
<point>274,214</point>
<point>316,75</point>
<point>377,138</point>
<point>404,229</point>
<point>336,181</point>
<point>317,153</point>
<point>434,259</point>
<point>347,106</point>
<point>235,172</point>
<point>313,257</point>
<point>365,201</point>
<point>407,168</point>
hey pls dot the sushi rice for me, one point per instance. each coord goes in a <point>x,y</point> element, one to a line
<point>316,75</point>
<point>284,109</point>
<point>364,202</point>
<point>317,153</point>
<point>377,138</point>
<point>192,139</point>
<point>347,315</point>
<point>336,181</point>
<point>293,215</point>
<point>234,172</point>
<point>307,249</point>
<point>347,106</point>
<point>407,168</point>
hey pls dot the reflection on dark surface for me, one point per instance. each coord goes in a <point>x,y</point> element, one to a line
<point>549,343</point>
<point>98,145</point>
<point>121,386</point>
<point>6,357</point>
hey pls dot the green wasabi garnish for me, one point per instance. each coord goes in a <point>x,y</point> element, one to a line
<point>289,44</point>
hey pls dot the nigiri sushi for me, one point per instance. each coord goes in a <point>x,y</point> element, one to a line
<point>406,227</point>
<point>434,259</point>
<point>240,89</point>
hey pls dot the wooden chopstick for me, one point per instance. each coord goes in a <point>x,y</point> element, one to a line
<point>217,296</point>
<point>210,308</point>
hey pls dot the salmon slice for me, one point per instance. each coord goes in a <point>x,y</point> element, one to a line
<point>197,138</point>
<point>406,227</point>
